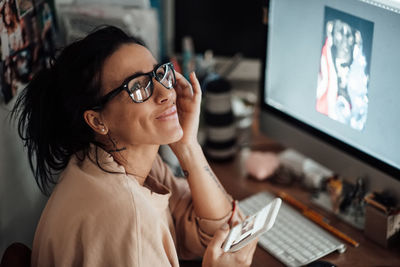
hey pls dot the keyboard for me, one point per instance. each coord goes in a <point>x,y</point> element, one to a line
<point>294,240</point>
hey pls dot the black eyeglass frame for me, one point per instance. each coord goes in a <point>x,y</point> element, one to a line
<point>124,86</point>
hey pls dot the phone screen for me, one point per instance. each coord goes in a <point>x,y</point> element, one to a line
<point>252,226</point>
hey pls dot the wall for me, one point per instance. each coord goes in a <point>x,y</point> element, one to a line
<point>21,202</point>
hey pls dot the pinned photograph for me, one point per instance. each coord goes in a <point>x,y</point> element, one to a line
<point>24,6</point>
<point>27,40</point>
<point>343,79</point>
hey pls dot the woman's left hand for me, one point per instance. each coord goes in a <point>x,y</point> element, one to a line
<point>188,101</point>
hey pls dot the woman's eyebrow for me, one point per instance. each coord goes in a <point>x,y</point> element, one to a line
<point>139,73</point>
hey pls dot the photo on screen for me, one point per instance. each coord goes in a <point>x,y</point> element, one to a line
<point>343,78</point>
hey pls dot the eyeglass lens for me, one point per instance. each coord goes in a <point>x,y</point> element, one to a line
<point>141,87</point>
<point>165,75</point>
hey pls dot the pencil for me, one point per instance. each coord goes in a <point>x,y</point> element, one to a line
<point>299,205</point>
<point>369,199</point>
<point>317,218</point>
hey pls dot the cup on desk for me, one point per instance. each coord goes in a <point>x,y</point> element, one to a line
<point>219,119</point>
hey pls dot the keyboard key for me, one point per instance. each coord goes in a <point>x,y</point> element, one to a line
<point>299,257</point>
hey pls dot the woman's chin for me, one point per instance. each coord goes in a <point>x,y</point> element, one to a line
<point>178,135</point>
<point>174,136</point>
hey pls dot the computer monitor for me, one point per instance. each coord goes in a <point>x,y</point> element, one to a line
<point>331,85</point>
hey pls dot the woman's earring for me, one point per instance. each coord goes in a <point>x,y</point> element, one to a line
<point>102,129</point>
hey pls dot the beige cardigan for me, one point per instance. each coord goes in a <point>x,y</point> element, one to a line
<point>95,218</point>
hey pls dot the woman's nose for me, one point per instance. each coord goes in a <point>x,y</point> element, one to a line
<point>163,94</point>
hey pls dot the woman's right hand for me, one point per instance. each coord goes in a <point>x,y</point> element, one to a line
<point>216,257</point>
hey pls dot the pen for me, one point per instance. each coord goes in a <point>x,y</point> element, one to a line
<point>317,218</point>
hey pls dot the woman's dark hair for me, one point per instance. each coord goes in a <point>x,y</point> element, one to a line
<point>50,109</point>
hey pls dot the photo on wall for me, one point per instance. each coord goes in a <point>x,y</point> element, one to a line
<point>27,37</point>
<point>24,6</point>
<point>344,74</point>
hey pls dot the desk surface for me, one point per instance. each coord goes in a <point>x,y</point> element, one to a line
<point>238,184</point>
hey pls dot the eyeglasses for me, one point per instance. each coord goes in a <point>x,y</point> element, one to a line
<point>140,86</point>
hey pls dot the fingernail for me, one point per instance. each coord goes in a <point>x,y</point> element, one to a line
<point>194,74</point>
<point>225,226</point>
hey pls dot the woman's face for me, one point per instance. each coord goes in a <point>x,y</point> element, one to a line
<point>154,121</point>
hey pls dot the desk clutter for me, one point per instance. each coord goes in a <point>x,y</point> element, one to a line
<point>376,213</point>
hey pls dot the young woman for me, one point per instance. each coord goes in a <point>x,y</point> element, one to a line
<point>98,116</point>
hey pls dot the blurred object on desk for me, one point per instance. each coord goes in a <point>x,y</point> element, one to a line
<point>188,57</point>
<point>243,106</point>
<point>244,75</point>
<point>219,120</point>
<point>353,199</point>
<point>205,65</point>
<point>229,66</point>
<point>334,188</point>
<point>295,166</point>
<point>343,198</point>
<point>261,165</point>
<point>382,219</point>
<point>332,193</point>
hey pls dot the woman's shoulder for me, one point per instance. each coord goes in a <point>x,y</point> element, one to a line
<point>86,188</point>
<point>86,173</point>
<point>87,214</point>
<point>83,203</point>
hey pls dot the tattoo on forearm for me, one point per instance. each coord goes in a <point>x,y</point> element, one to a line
<point>211,173</point>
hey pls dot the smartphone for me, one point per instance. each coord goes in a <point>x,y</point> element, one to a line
<point>252,227</point>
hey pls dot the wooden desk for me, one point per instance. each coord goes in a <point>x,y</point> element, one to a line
<point>240,186</point>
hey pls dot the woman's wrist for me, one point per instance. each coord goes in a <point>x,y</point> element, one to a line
<point>186,152</point>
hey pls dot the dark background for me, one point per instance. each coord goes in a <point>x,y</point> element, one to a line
<point>226,27</point>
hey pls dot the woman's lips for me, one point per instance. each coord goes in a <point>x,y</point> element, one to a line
<point>169,114</point>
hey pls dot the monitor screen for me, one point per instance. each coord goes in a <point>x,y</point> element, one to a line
<point>332,71</point>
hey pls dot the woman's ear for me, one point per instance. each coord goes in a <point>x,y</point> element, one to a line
<point>93,119</point>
